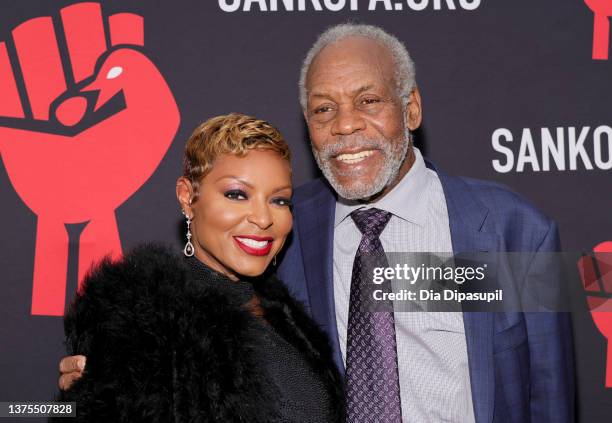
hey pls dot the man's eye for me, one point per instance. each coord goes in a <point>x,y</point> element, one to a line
<point>322,109</point>
<point>282,202</point>
<point>370,101</point>
<point>235,194</point>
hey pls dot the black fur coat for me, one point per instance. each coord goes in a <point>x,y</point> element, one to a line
<point>163,347</point>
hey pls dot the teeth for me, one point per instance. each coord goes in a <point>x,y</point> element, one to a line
<point>252,243</point>
<point>355,158</point>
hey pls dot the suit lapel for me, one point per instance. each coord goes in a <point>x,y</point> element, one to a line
<point>466,217</point>
<point>316,230</point>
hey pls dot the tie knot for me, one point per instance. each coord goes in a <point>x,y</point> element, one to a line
<point>371,222</point>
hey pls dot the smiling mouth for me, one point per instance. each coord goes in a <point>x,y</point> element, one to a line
<point>256,246</point>
<point>352,158</point>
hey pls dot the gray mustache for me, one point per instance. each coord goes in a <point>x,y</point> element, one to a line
<point>332,150</point>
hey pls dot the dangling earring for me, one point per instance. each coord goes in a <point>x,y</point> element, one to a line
<point>188,250</point>
<point>274,261</point>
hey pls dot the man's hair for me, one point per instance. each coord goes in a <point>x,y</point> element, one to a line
<point>404,66</point>
<point>228,134</point>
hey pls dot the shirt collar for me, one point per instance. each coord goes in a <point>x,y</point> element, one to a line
<point>407,200</point>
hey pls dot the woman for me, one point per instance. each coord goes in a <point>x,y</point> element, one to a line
<point>211,336</point>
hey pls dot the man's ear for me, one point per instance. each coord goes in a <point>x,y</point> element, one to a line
<point>184,194</point>
<point>413,110</point>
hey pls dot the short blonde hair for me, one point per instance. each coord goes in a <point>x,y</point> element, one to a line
<point>234,133</point>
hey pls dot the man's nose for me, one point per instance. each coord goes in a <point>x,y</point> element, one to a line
<point>347,121</point>
<point>260,215</point>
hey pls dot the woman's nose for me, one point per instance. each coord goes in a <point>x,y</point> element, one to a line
<point>260,215</point>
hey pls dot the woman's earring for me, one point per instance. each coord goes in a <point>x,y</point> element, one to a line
<point>274,261</point>
<point>188,250</point>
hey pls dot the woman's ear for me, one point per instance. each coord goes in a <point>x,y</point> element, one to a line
<point>184,195</point>
<point>414,114</point>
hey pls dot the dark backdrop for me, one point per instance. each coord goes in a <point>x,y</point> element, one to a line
<point>520,65</point>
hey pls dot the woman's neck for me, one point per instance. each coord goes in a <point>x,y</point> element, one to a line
<point>215,265</point>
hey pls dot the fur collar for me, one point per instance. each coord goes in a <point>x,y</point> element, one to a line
<point>163,346</point>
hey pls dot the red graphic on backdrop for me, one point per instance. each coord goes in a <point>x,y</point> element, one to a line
<point>95,121</point>
<point>601,30</point>
<point>596,274</point>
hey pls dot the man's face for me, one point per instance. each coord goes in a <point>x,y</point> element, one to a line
<point>356,119</point>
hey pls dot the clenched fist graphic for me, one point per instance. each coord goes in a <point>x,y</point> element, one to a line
<point>601,31</point>
<point>596,273</point>
<point>85,119</point>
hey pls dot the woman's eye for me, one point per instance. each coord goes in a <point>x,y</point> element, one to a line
<point>235,195</point>
<point>282,202</point>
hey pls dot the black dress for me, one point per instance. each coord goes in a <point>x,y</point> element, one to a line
<point>167,339</point>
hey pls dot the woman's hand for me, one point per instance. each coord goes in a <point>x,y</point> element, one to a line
<point>71,369</point>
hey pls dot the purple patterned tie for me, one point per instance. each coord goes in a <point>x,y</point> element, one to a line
<point>373,393</point>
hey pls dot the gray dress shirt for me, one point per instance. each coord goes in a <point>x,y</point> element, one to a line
<point>431,347</point>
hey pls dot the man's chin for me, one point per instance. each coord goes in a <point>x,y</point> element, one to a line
<point>356,190</point>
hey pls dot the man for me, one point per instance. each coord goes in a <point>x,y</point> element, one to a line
<point>361,104</point>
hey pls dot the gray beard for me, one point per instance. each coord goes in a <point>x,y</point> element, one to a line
<point>394,156</point>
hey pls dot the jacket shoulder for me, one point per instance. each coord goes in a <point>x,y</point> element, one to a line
<point>312,189</point>
<point>520,223</point>
<point>500,197</point>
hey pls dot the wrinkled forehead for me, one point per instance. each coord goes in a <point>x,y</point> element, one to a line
<point>351,55</point>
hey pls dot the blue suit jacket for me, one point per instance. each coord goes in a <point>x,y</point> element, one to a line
<point>521,364</point>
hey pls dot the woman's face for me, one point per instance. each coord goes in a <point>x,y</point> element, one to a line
<point>241,218</point>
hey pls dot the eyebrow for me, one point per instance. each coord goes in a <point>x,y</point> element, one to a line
<point>236,178</point>
<point>282,188</point>
<point>354,92</point>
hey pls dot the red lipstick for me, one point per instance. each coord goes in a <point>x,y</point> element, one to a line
<point>254,250</point>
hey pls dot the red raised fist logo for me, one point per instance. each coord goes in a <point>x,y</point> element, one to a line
<point>596,274</point>
<point>601,30</point>
<point>85,119</point>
